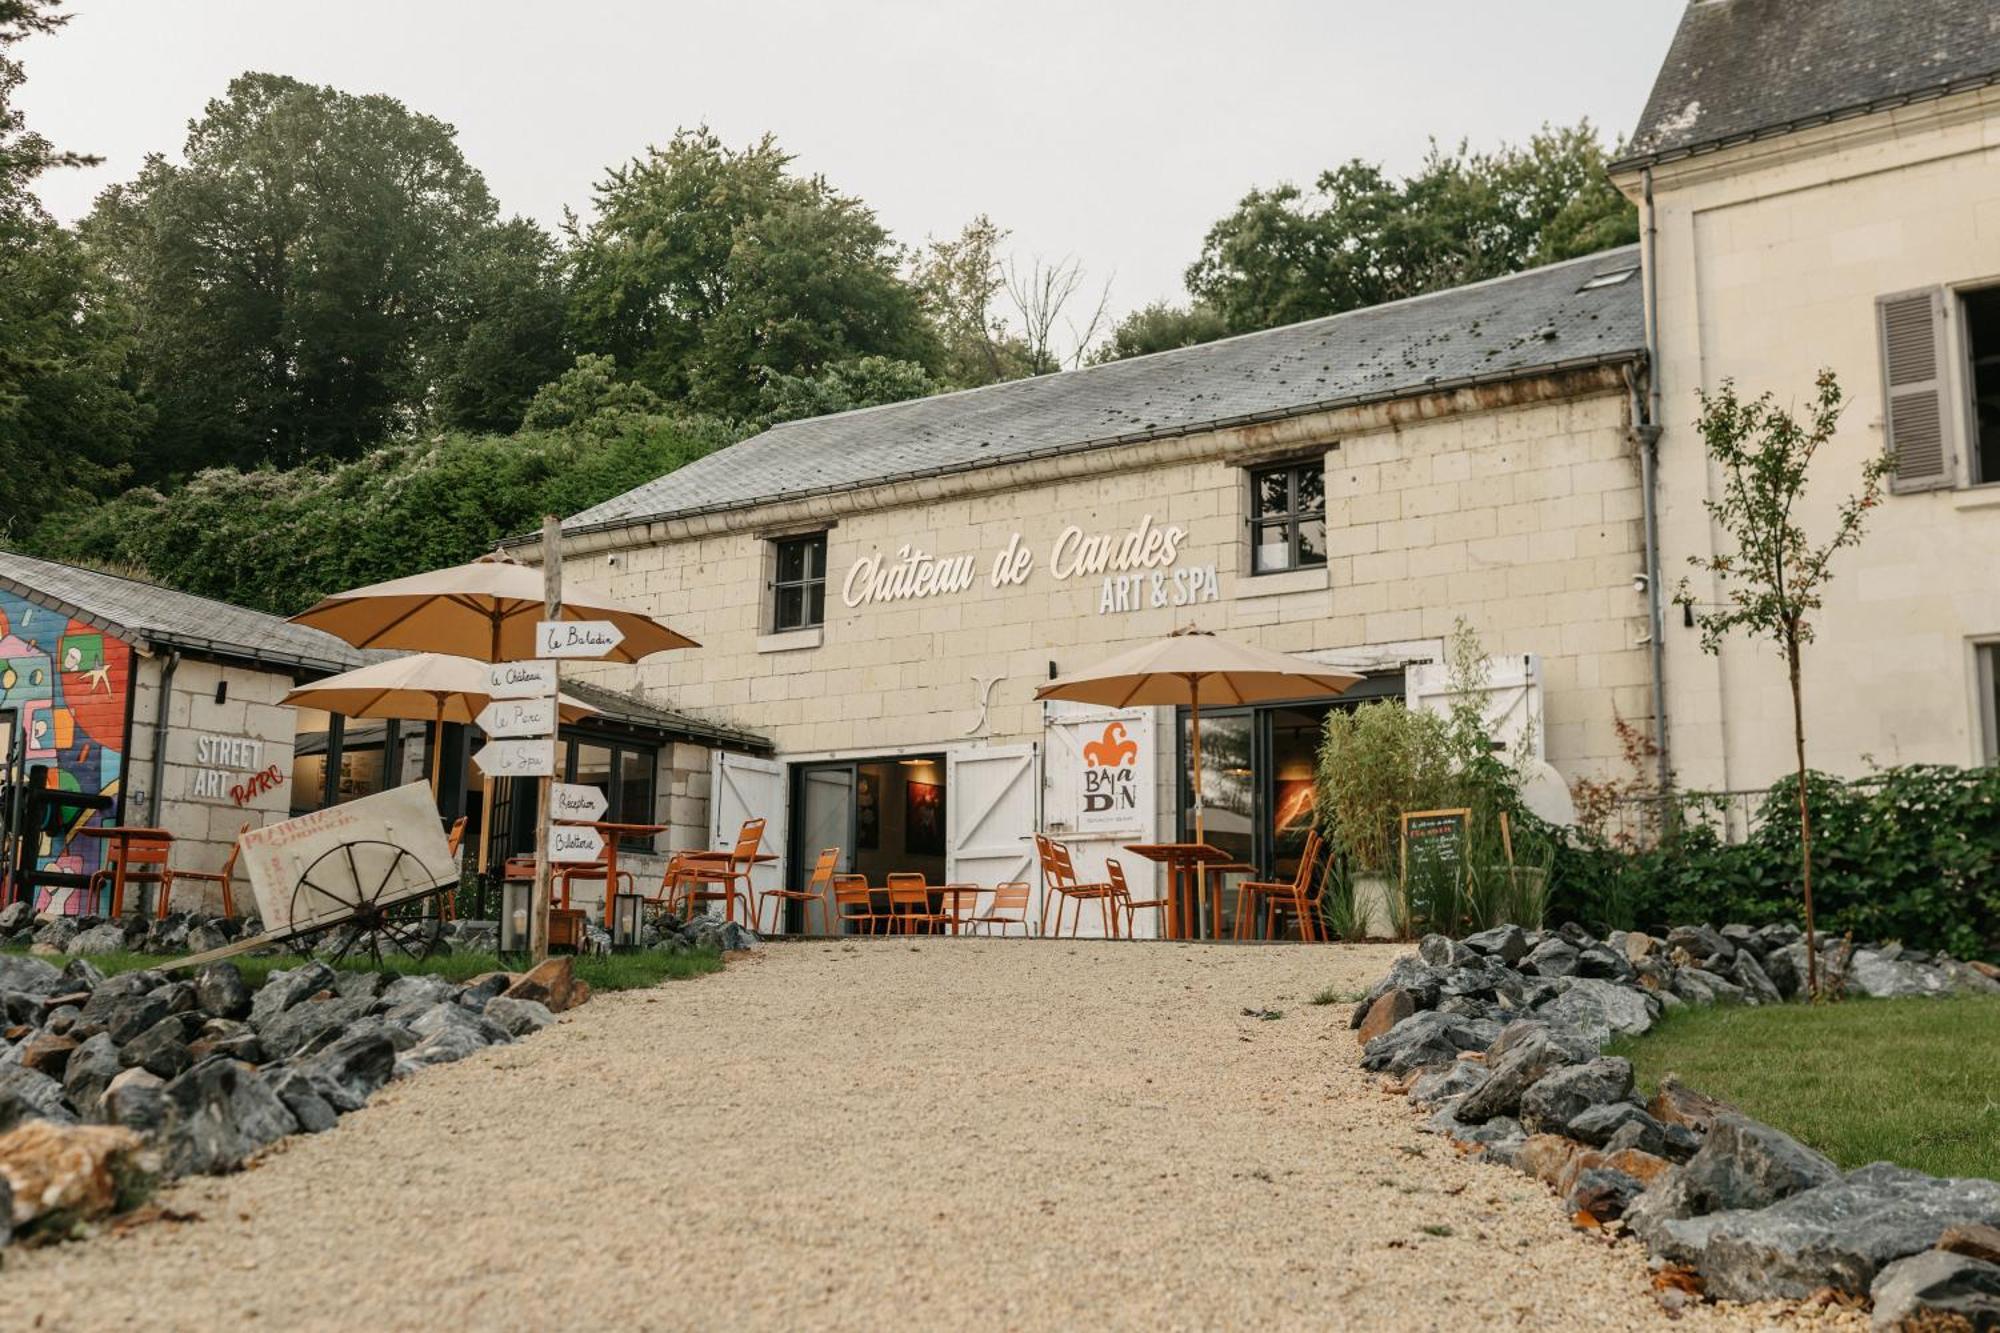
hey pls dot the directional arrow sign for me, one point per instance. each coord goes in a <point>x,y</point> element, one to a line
<point>518,759</point>
<point>518,717</point>
<point>576,638</point>
<point>577,803</point>
<point>574,842</point>
<point>521,680</point>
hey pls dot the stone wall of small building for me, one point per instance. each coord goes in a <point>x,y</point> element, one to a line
<point>227,763</point>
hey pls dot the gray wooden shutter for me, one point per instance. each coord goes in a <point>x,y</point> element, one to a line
<point>1915,421</point>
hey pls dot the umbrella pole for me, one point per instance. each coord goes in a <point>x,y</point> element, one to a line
<point>437,754</point>
<point>1200,833</point>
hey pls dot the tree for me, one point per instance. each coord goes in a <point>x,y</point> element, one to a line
<point>67,416</point>
<point>1160,327</point>
<point>501,336</point>
<point>844,386</point>
<point>1775,578</point>
<point>1359,238</point>
<point>958,282</point>
<point>1042,295</point>
<point>290,275</point>
<point>590,396</point>
<point>705,269</point>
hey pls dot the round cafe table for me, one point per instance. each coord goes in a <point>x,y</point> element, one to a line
<point>612,832</point>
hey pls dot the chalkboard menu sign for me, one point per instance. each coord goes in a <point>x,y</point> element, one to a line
<point>1434,840</point>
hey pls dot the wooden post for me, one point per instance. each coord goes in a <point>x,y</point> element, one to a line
<point>551,608</point>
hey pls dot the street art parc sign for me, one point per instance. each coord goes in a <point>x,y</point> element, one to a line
<point>1137,566</point>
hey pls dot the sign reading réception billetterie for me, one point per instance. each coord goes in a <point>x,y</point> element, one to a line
<point>576,638</point>
<point>575,803</point>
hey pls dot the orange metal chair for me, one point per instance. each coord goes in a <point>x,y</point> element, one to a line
<point>910,903</point>
<point>137,861</point>
<point>1008,908</point>
<point>852,892</point>
<point>1115,872</point>
<point>673,881</point>
<point>731,879</point>
<point>1063,879</point>
<point>814,892</point>
<point>226,877</point>
<point>1298,896</point>
<point>567,876</point>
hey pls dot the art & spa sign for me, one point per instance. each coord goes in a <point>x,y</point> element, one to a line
<point>1138,569</point>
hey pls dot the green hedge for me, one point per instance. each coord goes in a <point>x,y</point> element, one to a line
<point>1909,854</point>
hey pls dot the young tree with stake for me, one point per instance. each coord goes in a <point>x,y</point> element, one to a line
<point>1775,578</point>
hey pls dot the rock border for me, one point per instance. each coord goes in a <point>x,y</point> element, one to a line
<point>1498,1037</point>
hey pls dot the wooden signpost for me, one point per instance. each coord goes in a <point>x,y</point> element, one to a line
<point>525,757</point>
<point>519,717</point>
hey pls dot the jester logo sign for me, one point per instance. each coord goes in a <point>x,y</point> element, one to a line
<point>1110,781</point>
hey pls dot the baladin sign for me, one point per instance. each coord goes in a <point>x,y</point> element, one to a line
<point>1137,568</point>
<point>1110,790</point>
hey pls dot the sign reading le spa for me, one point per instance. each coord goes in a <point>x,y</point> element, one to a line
<point>1138,568</point>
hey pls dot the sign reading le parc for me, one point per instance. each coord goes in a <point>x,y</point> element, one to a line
<point>1137,567</point>
<point>519,717</point>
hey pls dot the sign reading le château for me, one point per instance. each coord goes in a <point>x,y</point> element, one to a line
<point>576,638</point>
<point>520,680</point>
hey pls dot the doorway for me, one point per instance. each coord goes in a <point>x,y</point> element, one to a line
<point>886,815</point>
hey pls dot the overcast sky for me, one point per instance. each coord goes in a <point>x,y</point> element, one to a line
<point>1113,132</point>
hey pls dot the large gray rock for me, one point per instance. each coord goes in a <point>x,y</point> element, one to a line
<point>519,1017</point>
<point>445,1014</point>
<point>1553,957</point>
<point>26,1094</point>
<point>123,1016</point>
<point>1507,943</point>
<point>315,1115</point>
<point>1757,985</point>
<point>110,937</point>
<point>1744,1163</point>
<point>1936,1290</point>
<point>1411,974</point>
<point>1502,1131</point>
<point>348,1072</point>
<point>160,1049</point>
<point>1600,1009</point>
<point>221,992</point>
<point>424,989</point>
<point>1604,964</point>
<point>441,1047</point>
<point>1525,1062</point>
<point>1557,1098</point>
<point>137,1100</point>
<point>281,990</point>
<point>1445,1082</point>
<point>89,1072</point>
<point>1965,979</point>
<point>1702,943</point>
<point>1838,1235</point>
<point>286,1033</point>
<point>1870,973</point>
<point>1698,985</point>
<point>16,916</point>
<point>30,976</point>
<point>1427,1039</point>
<point>1625,1121</point>
<point>1444,952</point>
<point>219,1113</point>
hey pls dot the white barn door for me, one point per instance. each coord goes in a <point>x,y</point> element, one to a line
<point>1100,793</point>
<point>744,787</point>
<point>990,802</point>
<point>1510,702</point>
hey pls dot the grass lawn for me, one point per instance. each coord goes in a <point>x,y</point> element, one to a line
<point>618,971</point>
<point>1915,1082</point>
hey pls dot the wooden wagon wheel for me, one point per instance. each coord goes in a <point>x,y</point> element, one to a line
<point>374,909</point>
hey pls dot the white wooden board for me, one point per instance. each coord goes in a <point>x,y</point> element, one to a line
<point>344,847</point>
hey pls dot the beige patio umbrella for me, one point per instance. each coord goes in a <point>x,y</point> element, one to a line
<point>1193,669</point>
<point>485,610</point>
<point>422,687</point>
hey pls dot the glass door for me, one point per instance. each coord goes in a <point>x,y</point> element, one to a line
<point>824,806</point>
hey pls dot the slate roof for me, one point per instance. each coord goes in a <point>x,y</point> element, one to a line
<point>1506,328</point>
<point>155,615</point>
<point>619,706</point>
<point>1741,69</point>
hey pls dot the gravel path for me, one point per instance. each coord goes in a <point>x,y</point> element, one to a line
<point>952,1133</point>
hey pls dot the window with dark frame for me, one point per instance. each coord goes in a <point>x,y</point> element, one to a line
<point>1982,351</point>
<point>1288,517</point>
<point>623,772</point>
<point>1988,665</point>
<point>799,590</point>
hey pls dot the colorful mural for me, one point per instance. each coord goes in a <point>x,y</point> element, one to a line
<point>63,685</point>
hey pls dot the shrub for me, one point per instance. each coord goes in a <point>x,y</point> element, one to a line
<point>1909,854</point>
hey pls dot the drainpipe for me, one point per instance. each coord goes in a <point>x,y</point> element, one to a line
<point>1646,431</point>
<point>160,738</point>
